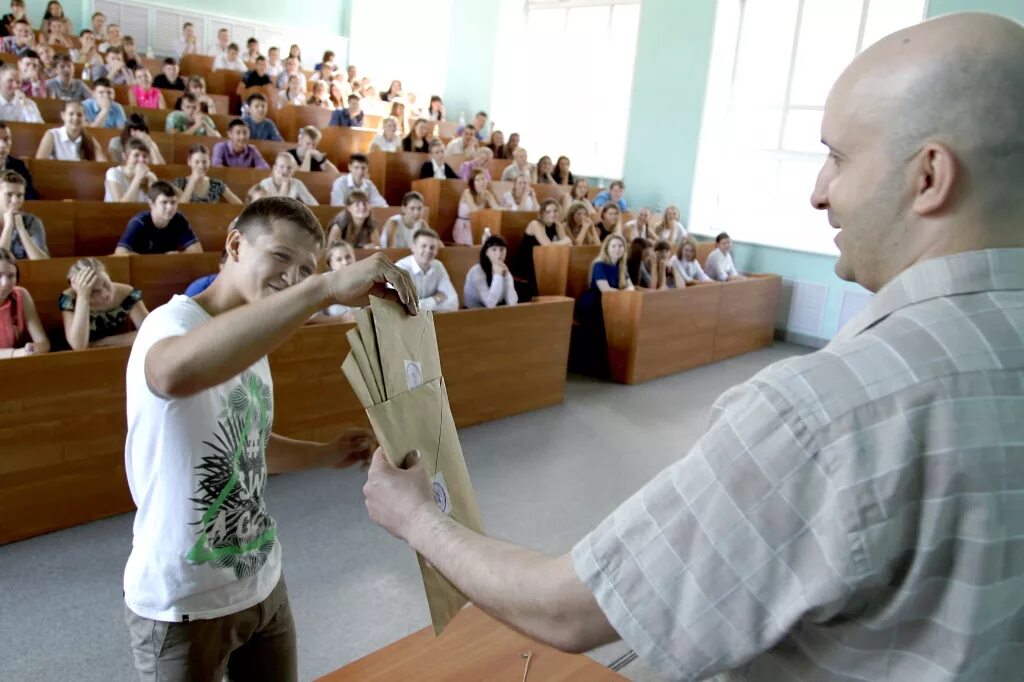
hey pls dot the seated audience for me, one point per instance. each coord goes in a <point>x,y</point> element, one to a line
<point>13,163</point>
<point>326,69</point>
<point>489,283</point>
<point>296,52</point>
<point>291,68</point>
<point>130,182</point>
<point>114,39</point>
<point>544,230</point>
<point>87,55</point>
<point>22,234</point>
<point>187,43</point>
<point>170,76</point>
<point>578,193</point>
<point>476,196</point>
<point>30,71</point>
<point>70,142</point>
<point>671,228</point>
<point>48,68</point>
<point>257,77</point>
<point>719,265</point>
<point>579,226</point>
<point>320,96</point>
<point>641,227</point>
<point>203,283</point>
<point>338,255</point>
<point>14,105</point>
<point>352,117</point>
<point>610,222</point>
<point>612,195</point>
<point>417,140</point>
<point>135,128</point>
<point>511,146</point>
<point>99,23</point>
<point>22,40</point>
<point>293,94</point>
<point>465,143</point>
<point>398,112</point>
<point>388,139</point>
<point>96,310</point>
<point>282,181</point>
<point>7,21</point>
<point>663,274</point>
<point>143,94</point>
<point>399,230</point>
<point>161,229</point>
<point>686,265</point>
<point>55,32</point>
<point>433,286</point>
<point>191,120</point>
<point>607,274</point>
<point>639,262</point>
<point>521,197</point>
<point>307,155</point>
<point>236,152</point>
<point>260,127</point>
<point>54,10</point>
<point>275,67</point>
<point>338,93</point>
<point>354,223</point>
<point>435,112</point>
<point>230,61</point>
<point>64,85</point>
<point>393,92</point>
<point>436,166</point>
<point>220,48</point>
<point>608,271</point>
<point>562,175</point>
<point>21,331</point>
<point>114,68</point>
<point>199,187</point>
<point>519,166</point>
<point>497,145</point>
<point>197,86</point>
<point>252,51</point>
<point>544,168</point>
<point>356,179</point>
<point>481,160</point>
<point>480,123</point>
<point>131,55</point>
<point>101,111</point>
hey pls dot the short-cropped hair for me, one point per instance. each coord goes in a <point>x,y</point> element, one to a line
<point>160,188</point>
<point>12,178</point>
<point>410,197</point>
<point>358,158</point>
<point>257,217</point>
<point>617,183</point>
<point>721,236</point>
<point>425,232</point>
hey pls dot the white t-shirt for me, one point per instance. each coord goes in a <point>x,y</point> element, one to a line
<point>194,554</point>
<point>117,177</point>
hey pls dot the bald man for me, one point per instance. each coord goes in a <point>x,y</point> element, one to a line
<point>856,513</point>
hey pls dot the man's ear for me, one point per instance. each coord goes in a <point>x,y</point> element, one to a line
<point>936,172</point>
<point>233,243</point>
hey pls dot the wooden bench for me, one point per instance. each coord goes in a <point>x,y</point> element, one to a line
<point>63,429</point>
<point>395,173</point>
<point>509,224</point>
<point>220,102</point>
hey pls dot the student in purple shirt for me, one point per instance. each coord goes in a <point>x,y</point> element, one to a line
<point>236,152</point>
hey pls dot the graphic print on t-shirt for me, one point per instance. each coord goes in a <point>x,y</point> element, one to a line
<point>235,530</point>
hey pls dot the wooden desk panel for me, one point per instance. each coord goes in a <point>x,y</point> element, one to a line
<point>442,196</point>
<point>457,261</point>
<point>396,173</point>
<point>580,260</point>
<point>509,224</point>
<point>551,263</point>
<point>473,648</point>
<point>290,118</point>
<point>746,315</point>
<point>196,64</point>
<point>59,221</point>
<point>25,138</point>
<point>161,277</point>
<point>704,249</point>
<point>339,143</point>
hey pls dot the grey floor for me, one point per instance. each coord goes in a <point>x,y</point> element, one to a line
<point>543,479</point>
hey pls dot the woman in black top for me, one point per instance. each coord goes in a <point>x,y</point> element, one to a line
<point>544,230</point>
<point>562,175</point>
<point>416,140</point>
<point>609,223</point>
<point>394,91</point>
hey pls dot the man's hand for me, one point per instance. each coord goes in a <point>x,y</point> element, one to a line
<point>397,498</point>
<point>352,284</point>
<point>440,297</point>
<point>353,446</point>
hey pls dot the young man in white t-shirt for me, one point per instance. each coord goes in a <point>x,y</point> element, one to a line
<point>203,585</point>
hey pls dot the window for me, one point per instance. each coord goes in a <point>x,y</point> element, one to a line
<point>563,76</point>
<point>772,65</point>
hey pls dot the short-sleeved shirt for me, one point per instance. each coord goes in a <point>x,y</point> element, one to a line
<point>249,157</point>
<point>264,130</point>
<point>35,229</point>
<point>76,91</point>
<point>344,117</point>
<point>116,176</point>
<point>314,165</point>
<point>104,323</point>
<point>115,117</point>
<point>851,514</point>
<point>254,80</point>
<point>177,122</point>
<point>161,82</point>
<point>143,237</point>
<point>606,271</point>
<point>213,194</point>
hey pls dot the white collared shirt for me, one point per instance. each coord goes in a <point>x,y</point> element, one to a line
<point>344,186</point>
<point>438,169</point>
<point>20,110</point>
<point>429,282</point>
<point>719,265</point>
<point>64,148</point>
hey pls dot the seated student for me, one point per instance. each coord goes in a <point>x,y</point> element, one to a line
<point>203,283</point>
<point>686,265</point>
<point>70,142</point>
<point>719,265</point>
<point>326,69</point>
<point>275,67</point>
<point>544,230</point>
<point>19,320</point>
<point>476,196</point>
<point>197,86</point>
<point>114,39</point>
<point>489,283</point>
<point>190,120</point>
<point>130,182</point>
<point>466,143</point>
<point>433,286</point>
<point>293,93</point>
<point>22,41</point>
<point>399,230</point>
<point>30,70</point>
<point>352,117</point>
<point>13,163</point>
<point>562,175</point>
<point>354,223</point>
<point>64,85</point>
<point>578,194</point>
<point>257,77</point>
<point>236,152</point>
<point>169,77</point>
<point>497,144</point>
<point>199,187</point>
<point>291,68</point>
<point>230,61</point>
<point>393,92</point>
<point>480,161</point>
<point>511,146</point>
<point>337,256</point>
<point>436,166</point>
<point>612,195</point>
<point>608,271</point>
<point>544,169</point>
<point>143,94</point>
<point>101,111</point>
<point>320,96</point>
<point>671,228</point>
<point>252,51</point>
<point>663,274</point>
<point>521,197</point>
<point>55,33</point>
<point>21,233</point>
<point>519,166</point>
<point>609,223</point>
<point>260,127</point>
<point>480,123</point>
<point>87,55</point>
<point>435,111</point>
<point>641,227</point>
<point>114,68</point>
<point>131,55</point>
<point>135,128</point>
<point>579,226</point>
<point>639,262</point>
<point>388,139</point>
<point>282,181</point>
<point>187,43</point>
<point>220,47</point>
<point>14,105</point>
<point>99,24</point>
<point>48,69</point>
<point>417,140</point>
<point>96,310</point>
<point>356,178</point>
<point>161,229</point>
<point>306,153</point>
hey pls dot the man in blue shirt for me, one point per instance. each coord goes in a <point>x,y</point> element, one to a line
<point>101,111</point>
<point>161,229</point>
<point>260,127</point>
<point>351,117</point>
<point>613,194</point>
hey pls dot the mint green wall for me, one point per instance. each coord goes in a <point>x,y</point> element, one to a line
<point>1008,8</point>
<point>471,57</point>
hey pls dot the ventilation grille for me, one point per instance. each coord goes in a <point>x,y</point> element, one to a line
<point>802,307</point>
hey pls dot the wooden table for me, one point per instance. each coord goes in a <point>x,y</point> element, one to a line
<point>474,648</point>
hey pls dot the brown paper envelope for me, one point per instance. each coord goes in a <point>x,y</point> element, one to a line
<point>359,353</point>
<point>364,318</point>
<point>407,345</point>
<point>421,419</point>
<point>350,368</point>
